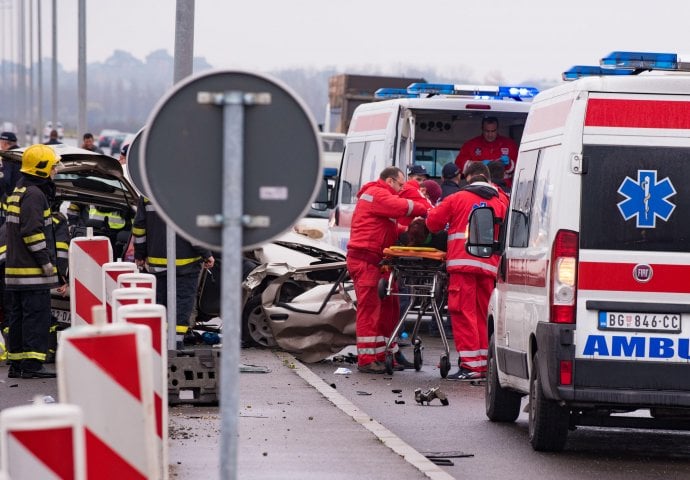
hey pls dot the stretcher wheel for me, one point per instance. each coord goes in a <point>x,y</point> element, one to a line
<point>389,363</point>
<point>445,366</point>
<point>417,357</point>
<point>383,288</point>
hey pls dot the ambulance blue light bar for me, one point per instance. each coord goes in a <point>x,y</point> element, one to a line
<point>640,60</point>
<point>482,92</point>
<point>393,93</point>
<point>580,71</point>
<point>629,63</point>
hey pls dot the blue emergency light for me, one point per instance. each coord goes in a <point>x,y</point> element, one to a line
<point>432,88</point>
<point>628,63</point>
<point>393,93</point>
<point>479,92</point>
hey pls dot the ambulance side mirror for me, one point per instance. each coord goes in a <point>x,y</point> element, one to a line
<point>481,233</point>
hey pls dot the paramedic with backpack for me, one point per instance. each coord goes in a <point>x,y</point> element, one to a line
<point>471,279</point>
<point>374,227</point>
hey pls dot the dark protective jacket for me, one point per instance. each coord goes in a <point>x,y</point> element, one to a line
<point>149,232</point>
<point>30,239</point>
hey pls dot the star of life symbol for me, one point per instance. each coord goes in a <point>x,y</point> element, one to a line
<point>646,199</point>
<point>478,205</point>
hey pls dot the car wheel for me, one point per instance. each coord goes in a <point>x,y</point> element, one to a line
<point>548,421</point>
<point>256,330</point>
<point>502,405</point>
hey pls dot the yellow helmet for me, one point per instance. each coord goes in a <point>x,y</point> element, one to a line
<point>39,160</point>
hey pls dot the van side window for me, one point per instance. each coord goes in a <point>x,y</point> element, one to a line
<point>521,206</point>
<point>351,172</point>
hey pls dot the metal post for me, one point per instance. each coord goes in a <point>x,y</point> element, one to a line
<point>30,119</point>
<point>21,76</point>
<point>53,77</point>
<point>39,113</point>
<point>81,74</point>
<point>184,54</point>
<point>233,154</point>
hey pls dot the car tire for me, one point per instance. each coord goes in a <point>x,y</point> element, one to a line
<point>256,330</point>
<point>502,405</point>
<point>548,421</point>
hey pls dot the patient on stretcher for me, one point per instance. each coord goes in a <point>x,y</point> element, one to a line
<point>417,235</point>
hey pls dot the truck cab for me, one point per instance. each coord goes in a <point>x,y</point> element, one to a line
<point>424,124</point>
<point>589,317</point>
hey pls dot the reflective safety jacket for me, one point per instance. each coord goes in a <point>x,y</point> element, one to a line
<point>79,215</point>
<point>455,211</point>
<point>149,232</point>
<point>62,240</point>
<point>30,239</point>
<point>375,220</point>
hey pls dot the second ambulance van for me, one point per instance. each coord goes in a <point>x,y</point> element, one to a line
<point>590,317</point>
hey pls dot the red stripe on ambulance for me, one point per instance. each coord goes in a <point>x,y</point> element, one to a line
<point>619,277</point>
<point>637,113</point>
<point>364,123</point>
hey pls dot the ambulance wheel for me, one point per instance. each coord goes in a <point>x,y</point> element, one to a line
<point>389,363</point>
<point>383,288</point>
<point>417,357</point>
<point>502,405</point>
<point>444,365</point>
<point>548,421</point>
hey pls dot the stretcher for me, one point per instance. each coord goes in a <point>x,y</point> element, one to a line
<point>420,273</point>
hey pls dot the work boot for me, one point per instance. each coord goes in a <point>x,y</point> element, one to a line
<point>373,367</point>
<point>40,373</point>
<point>14,371</point>
<point>400,360</point>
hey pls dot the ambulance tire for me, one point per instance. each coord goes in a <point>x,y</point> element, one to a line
<point>548,421</point>
<point>502,405</point>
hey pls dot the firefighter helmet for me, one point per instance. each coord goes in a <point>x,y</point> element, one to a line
<point>39,160</point>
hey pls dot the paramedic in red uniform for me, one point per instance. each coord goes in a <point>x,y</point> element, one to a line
<point>374,227</point>
<point>412,189</point>
<point>487,147</point>
<point>471,279</point>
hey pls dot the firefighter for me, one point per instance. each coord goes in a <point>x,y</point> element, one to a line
<point>374,227</point>
<point>149,232</point>
<point>30,270</point>
<point>471,279</point>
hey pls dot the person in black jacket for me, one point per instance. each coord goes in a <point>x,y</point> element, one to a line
<point>149,231</point>
<point>30,270</point>
<point>452,181</point>
<point>9,171</point>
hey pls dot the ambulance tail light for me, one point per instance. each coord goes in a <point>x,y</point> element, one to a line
<point>564,260</point>
<point>566,372</point>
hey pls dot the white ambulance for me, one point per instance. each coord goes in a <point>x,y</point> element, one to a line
<point>425,124</point>
<point>590,317</point>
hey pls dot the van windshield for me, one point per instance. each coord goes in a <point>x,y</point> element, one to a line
<point>635,198</point>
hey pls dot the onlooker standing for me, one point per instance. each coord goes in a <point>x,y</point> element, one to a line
<point>89,143</point>
<point>30,270</point>
<point>53,139</point>
<point>487,147</point>
<point>149,231</point>
<point>9,171</point>
<point>372,230</point>
<point>471,279</point>
<point>451,180</point>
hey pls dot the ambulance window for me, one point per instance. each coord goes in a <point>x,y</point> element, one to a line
<point>373,162</point>
<point>351,172</point>
<point>634,198</point>
<point>521,206</point>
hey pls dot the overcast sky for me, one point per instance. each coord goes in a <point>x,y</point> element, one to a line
<point>478,40</point>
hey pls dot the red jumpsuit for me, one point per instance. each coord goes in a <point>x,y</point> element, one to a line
<point>411,190</point>
<point>374,227</point>
<point>478,149</point>
<point>472,279</point>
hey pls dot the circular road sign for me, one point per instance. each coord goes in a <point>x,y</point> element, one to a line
<point>182,157</point>
<point>133,165</point>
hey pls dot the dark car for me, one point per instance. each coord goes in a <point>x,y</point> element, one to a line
<point>117,142</point>
<point>105,137</point>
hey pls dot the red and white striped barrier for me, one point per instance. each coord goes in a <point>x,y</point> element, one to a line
<point>42,441</point>
<point>132,296</point>
<point>153,316</point>
<point>111,272</point>
<point>106,369</point>
<point>137,279</point>
<point>86,257</point>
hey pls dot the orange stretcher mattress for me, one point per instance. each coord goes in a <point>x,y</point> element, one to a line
<point>418,252</point>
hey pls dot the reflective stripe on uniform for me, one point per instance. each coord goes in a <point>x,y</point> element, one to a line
<point>410,207</point>
<point>456,236</point>
<point>178,262</point>
<point>367,197</point>
<point>472,263</point>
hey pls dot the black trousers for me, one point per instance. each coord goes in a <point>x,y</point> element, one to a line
<point>29,322</point>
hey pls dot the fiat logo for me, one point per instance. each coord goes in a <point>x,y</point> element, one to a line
<point>642,273</point>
